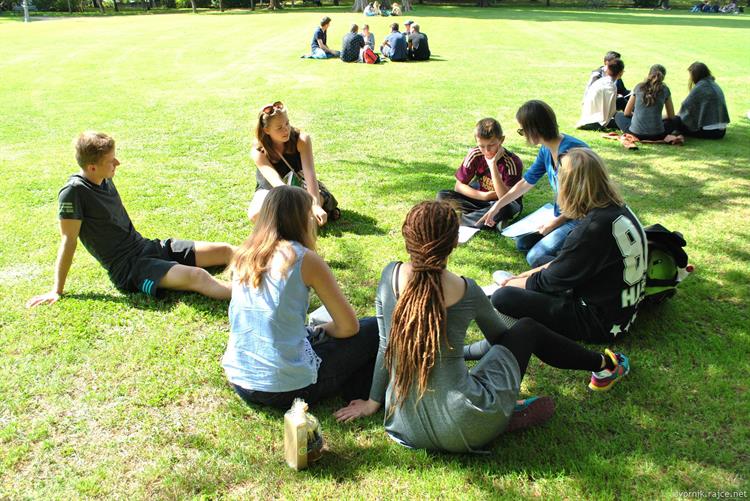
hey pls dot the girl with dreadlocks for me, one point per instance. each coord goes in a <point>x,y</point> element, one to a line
<point>432,401</point>
<point>642,115</point>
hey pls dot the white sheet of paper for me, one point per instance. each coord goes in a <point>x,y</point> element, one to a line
<point>490,289</point>
<point>465,233</point>
<point>530,223</point>
<point>319,316</point>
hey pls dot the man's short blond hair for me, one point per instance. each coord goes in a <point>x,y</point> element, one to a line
<point>91,147</point>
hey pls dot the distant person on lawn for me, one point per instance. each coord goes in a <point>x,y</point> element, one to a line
<point>643,114</point>
<point>539,125</point>
<point>272,357</point>
<point>394,47</point>
<point>91,209</point>
<point>419,48</point>
<point>486,173</point>
<point>283,155</point>
<point>432,399</point>
<point>703,113</point>
<point>600,101</point>
<point>622,92</point>
<point>351,45</point>
<point>320,49</point>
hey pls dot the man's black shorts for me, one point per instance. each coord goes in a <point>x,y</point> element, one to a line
<point>155,260</point>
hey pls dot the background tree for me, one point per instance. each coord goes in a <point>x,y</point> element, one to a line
<point>359,5</point>
<point>192,4</point>
<point>274,5</point>
<point>406,6</point>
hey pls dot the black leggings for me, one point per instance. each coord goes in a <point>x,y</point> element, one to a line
<point>527,337</point>
<point>675,124</point>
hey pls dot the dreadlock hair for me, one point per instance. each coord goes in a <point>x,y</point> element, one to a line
<point>419,319</point>
<point>653,84</point>
<point>284,216</point>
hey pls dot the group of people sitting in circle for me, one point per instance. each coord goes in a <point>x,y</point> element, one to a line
<point>377,9</point>
<point>707,6</point>
<point>586,279</point>
<point>647,113</point>
<point>412,44</point>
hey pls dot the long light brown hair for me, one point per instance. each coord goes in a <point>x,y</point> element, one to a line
<point>653,84</point>
<point>584,184</point>
<point>418,325</point>
<point>264,143</point>
<point>284,216</point>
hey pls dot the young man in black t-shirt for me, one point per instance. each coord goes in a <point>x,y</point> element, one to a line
<point>91,209</point>
<point>419,48</point>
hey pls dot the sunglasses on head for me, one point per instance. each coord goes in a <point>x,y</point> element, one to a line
<point>520,132</point>
<point>270,109</point>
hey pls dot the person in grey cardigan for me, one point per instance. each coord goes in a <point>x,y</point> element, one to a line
<point>432,400</point>
<point>704,112</point>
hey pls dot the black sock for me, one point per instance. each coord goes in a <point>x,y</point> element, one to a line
<point>608,363</point>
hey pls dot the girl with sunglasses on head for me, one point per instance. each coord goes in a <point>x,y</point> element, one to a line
<point>283,155</point>
<point>272,357</point>
<point>539,126</point>
<point>592,289</point>
<point>432,400</point>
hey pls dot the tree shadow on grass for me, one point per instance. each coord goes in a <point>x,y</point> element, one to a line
<point>351,222</point>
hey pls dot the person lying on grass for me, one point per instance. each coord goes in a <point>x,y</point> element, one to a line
<point>272,357</point>
<point>592,289</point>
<point>486,173</point>
<point>284,155</point>
<point>539,126</point>
<point>432,400</point>
<point>91,209</point>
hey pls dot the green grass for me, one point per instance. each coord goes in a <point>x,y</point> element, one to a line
<point>112,395</point>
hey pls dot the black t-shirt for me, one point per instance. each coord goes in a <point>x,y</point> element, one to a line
<point>350,47</point>
<point>420,48</point>
<point>294,159</point>
<point>106,229</point>
<point>603,262</point>
<point>320,34</point>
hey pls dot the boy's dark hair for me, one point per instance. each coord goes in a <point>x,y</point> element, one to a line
<point>609,56</point>
<point>394,27</point>
<point>325,20</point>
<point>91,147</point>
<point>615,67</point>
<point>354,28</point>
<point>537,120</point>
<point>488,128</point>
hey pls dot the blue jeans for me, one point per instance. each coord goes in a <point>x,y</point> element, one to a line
<point>319,53</point>
<point>541,250</point>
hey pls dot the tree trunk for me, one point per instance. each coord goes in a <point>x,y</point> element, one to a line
<point>115,4</point>
<point>336,3</point>
<point>192,4</point>
<point>275,5</point>
<point>359,5</point>
<point>70,7</point>
<point>483,3</point>
<point>221,6</point>
<point>406,6</point>
<point>252,4</point>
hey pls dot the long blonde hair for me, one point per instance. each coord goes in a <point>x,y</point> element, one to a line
<point>419,319</point>
<point>653,84</point>
<point>284,216</point>
<point>584,184</point>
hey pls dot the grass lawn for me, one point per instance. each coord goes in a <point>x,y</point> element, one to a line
<point>114,395</point>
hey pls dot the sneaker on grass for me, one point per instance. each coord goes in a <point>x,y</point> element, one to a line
<point>531,412</point>
<point>605,379</point>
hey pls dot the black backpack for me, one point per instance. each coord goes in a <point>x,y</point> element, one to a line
<point>667,263</point>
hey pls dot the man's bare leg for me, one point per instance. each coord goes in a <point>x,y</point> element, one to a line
<point>192,278</point>
<point>213,253</point>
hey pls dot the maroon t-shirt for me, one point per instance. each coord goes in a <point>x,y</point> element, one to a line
<point>474,166</point>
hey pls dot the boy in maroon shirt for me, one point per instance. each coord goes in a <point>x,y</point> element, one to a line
<point>486,174</point>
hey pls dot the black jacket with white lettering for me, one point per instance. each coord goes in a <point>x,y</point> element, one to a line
<point>603,263</point>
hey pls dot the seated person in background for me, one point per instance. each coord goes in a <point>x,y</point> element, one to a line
<point>369,10</point>
<point>394,46</point>
<point>622,93</point>
<point>600,101</point>
<point>272,357</point>
<point>351,45</point>
<point>376,9</point>
<point>281,152</point>
<point>539,126</point>
<point>407,28</point>
<point>487,173</point>
<point>91,209</point>
<point>642,116</point>
<point>730,7</point>
<point>419,48</point>
<point>704,112</point>
<point>320,49</point>
<point>395,9</point>
<point>432,399</point>
<point>591,290</point>
<point>369,37</point>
